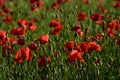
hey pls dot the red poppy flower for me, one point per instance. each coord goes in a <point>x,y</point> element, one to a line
<point>57,27</point>
<point>99,36</point>
<point>2,2</point>
<point>2,35</point>
<point>18,31</point>
<point>33,46</point>
<point>84,46</point>
<point>7,19</point>
<point>113,28</point>
<point>111,32</point>
<point>33,1</point>
<point>80,32</point>
<point>69,45</point>
<point>77,28</point>
<point>117,4</point>
<point>35,4</point>
<point>60,27</point>
<point>75,55</point>
<point>96,16</point>
<point>22,22</point>
<point>44,39</point>
<point>82,16</point>
<point>100,22</point>
<point>40,4</point>
<point>103,9</point>
<point>55,5</point>
<point>12,40</point>
<point>6,9</point>
<point>32,26</point>
<point>93,46</point>
<point>88,47</point>
<point>2,13</point>
<point>86,1</point>
<point>43,60</point>
<point>23,53</point>
<point>113,24</point>
<point>27,24</point>
<point>55,31</point>
<point>54,23</point>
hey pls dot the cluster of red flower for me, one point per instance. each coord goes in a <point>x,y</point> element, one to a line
<point>56,4</point>
<point>4,11</point>
<point>76,52</point>
<point>35,4</point>
<point>57,27</point>
<point>113,28</point>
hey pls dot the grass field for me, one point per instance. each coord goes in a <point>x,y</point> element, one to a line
<point>59,39</point>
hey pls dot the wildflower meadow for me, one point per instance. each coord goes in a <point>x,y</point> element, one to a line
<point>59,39</point>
